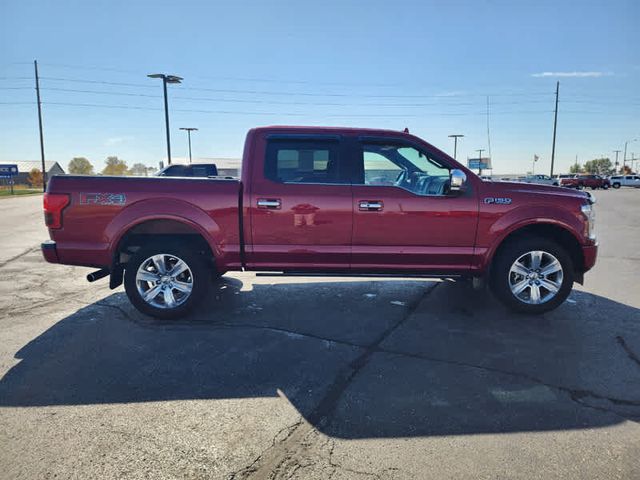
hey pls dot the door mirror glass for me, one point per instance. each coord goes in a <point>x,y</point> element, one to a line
<point>458,180</point>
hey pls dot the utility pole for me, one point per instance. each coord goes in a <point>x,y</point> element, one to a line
<point>616,164</point>
<point>189,130</point>
<point>455,143</point>
<point>555,125</point>
<point>480,150</point>
<point>166,79</point>
<point>624,158</point>
<point>44,170</point>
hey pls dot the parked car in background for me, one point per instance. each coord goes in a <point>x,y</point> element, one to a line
<point>541,180</point>
<point>192,170</point>
<point>564,175</point>
<point>586,181</point>
<point>618,181</point>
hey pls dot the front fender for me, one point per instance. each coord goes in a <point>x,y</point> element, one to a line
<point>526,216</point>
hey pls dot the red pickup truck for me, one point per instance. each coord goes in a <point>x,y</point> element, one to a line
<point>323,201</point>
<point>585,181</point>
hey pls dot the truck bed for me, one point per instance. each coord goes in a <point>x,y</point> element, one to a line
<point>103,208</point>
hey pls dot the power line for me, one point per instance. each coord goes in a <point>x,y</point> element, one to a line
<point>284,102</point>
<point>236,112</point>
<point>287,93</point>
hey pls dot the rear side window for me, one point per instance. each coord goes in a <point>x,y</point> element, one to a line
<point>204,170</point>
<point>302,161</point>
<point>176,171</point>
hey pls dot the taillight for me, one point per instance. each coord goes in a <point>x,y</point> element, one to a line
<point>54,204</point>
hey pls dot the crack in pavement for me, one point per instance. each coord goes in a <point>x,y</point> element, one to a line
<point>632,355</point>
<point>9,260</point>
<point>284,452</point>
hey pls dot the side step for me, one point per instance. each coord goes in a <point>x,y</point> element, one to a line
<point>357,275</point>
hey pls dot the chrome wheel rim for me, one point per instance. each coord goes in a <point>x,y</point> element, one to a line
<point>164,281</point>
<point>535,277</point>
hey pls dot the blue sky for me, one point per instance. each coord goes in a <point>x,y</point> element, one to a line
<point>428,66</point>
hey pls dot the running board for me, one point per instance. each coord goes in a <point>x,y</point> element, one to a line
<point>357,275</point>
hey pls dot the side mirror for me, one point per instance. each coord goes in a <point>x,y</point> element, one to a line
<point>458,180</point>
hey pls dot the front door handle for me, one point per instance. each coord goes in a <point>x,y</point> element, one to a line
<point>370,205</point>
<point>271,203</point>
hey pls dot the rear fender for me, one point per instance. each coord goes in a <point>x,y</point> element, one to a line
<point>164,209</point>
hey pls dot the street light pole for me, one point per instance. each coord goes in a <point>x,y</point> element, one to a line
<point>166,79</point>
<point>480,150</point>
<point>189,130</point>
<point>455,144</point>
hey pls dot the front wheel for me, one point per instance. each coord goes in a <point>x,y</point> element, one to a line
<point>616,185</point>
<point>532,275</point>
<point>165,280</point>
<point>605,186</point>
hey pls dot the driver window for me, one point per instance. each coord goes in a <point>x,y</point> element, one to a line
<point>379,170</point>
<point>404,167</point>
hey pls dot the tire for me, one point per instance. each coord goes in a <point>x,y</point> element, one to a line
<point>505,281</point>
<point>143,273</point>
<point>605,186</point>
<point>594,188</point>
<point>616,185</point>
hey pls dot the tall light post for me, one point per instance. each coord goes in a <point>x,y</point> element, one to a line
<point>455,143</point>
<point>189,130</point>
<point>624,158</point>
<point>166,79</point>
<point>480,150</point>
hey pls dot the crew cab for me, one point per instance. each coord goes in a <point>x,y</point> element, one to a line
<point>332,201</point>
<point>618,181</point>
<point>541,180</point>
<point>586,181</point>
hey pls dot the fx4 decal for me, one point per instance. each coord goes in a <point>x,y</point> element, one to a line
<point>102,199</point>
<point>498,200</point>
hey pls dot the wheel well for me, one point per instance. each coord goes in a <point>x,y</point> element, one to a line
<point>158,231</point>
<point>561,236</point>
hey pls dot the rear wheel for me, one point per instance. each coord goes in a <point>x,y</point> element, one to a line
<point>532,275</point>
<point>605,186</point>
<point>165,280</point>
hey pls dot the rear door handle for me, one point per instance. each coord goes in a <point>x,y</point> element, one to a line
<point>271,203</point>
<point>370,205</point>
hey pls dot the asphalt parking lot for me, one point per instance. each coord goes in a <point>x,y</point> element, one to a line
<point>316,378</point>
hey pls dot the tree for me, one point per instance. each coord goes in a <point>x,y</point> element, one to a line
<point>576,168</point>
<point>35,178</point>
<point>138,169</point>
<point>599,166</point>
<point>80,166</point>
<point>626,170</point>
<point>115,166</point>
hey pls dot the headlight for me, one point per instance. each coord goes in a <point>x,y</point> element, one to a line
<point>590,214</point>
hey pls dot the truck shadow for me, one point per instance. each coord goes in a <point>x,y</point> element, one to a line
<point>358,359</point>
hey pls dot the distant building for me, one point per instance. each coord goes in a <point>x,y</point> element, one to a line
<point>25,167</point>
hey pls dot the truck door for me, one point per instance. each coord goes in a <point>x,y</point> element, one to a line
<point>301,205</point>
<point>405,218</point>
